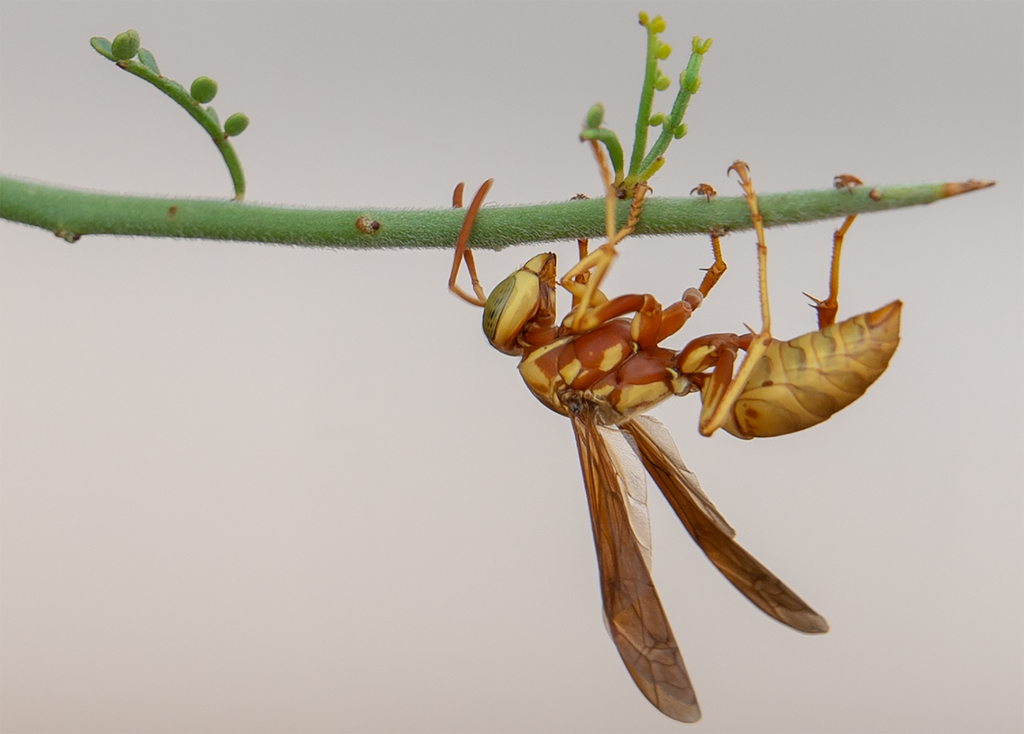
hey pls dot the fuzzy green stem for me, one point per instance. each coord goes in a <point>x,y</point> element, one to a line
<point>643,114</point>
<point>205,116</point>
<point>688,84</point>
<point>611,143</point>
<point>71,214</point>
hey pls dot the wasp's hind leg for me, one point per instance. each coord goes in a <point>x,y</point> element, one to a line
<point>725,387</point>
<point>829,308</point>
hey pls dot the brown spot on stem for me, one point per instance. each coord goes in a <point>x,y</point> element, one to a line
<point>875,195</point>
<point>172,212</point>
<point>367,226</point>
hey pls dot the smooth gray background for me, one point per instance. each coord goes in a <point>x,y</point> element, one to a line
<point>257,488</point>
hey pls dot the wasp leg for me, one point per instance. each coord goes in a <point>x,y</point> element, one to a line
<point>587,294</point>
<point>829,308</point>
<point>704,189</point>
<point>583,245</point>
<point>712,274</point>
<point>717,410</point>
<point>462,252</point>
<point>717,353</point>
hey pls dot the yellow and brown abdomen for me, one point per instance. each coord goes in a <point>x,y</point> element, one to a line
<point>802,382</point>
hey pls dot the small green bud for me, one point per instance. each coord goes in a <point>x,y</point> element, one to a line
<point>595,116</point>
<point>644,18</point>
<point>694,86</point>
<point>700,46</point>
<point>657,119</point>
<point>204,89</point>
<point>679,131</point>
<point>663,51</point>
<point>236,124</point>
<point>125,45</point>
<point>658,24</point>
<point>662,83</point>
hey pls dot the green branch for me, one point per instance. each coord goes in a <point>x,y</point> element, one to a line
<point>643,164</point>
<point>70,214</point>
<point>123,50</point>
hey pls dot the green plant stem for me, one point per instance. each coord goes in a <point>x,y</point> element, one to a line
<point>200,114</point>
<point>688,84</point>
<point>70,214</point>
<point>643,114</point>
<point>205,116</point>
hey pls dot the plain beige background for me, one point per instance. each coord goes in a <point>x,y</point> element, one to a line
<point>256,488</point>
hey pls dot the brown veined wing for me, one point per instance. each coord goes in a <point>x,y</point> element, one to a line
<point>656,449</point>
<point>633,613</point>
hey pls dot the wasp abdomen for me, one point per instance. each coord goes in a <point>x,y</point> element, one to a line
<point>804,381</point>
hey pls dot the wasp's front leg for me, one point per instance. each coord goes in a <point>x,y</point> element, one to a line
<point>462,251</point>
<point>583,280</point>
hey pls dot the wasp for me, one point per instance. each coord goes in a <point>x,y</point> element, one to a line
<point>602,366</point>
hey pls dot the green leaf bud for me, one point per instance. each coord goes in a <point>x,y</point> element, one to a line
<point>236,124</point>
<point>125,45</point>
<point>644,18</point>
<point>663,51</point>
<point>694,86</point>
<point>595,116</point>
<point>204,89</point>
<point>658,24</point>
<point>662,83</point>
<point>657,119</point>
<point>148,61</point>
<point>700,46</point>
<point>679,131</point>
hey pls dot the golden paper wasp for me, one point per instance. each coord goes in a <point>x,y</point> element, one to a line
<point>603,371</point>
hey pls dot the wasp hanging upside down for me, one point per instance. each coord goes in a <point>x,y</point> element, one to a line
<point>604,371</point>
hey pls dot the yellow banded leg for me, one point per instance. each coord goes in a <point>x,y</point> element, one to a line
<point>587,294</point>
<point>759,344</point>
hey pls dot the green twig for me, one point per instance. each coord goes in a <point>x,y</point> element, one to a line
<point>643,164</point>
<point>122,51</point>
<point>651,79</point>
<point>672,128</point>
<point>70,214</point>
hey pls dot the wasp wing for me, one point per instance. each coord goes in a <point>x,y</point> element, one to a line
<point>657,451</point>
<point>633,482</point>
<point>633,613</point>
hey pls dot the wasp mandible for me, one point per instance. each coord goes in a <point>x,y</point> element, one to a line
<point>604,370</point>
